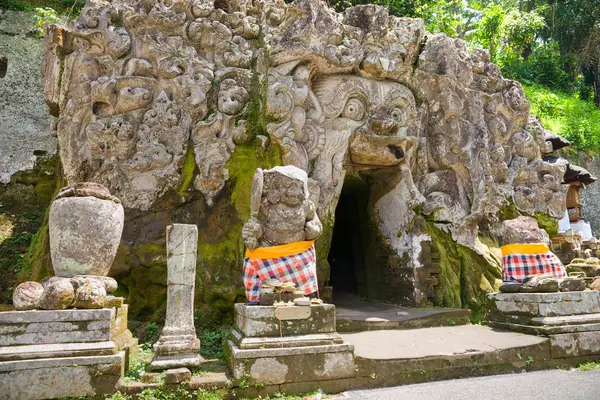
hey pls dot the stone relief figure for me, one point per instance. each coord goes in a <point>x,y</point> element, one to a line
<point>281,231</point>
<point>436,131</point>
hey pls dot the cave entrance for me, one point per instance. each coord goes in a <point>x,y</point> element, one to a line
<point>347,252</point>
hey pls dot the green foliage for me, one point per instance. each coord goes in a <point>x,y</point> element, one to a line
<point>44,17</point>
<point>212,342</point>
<point>576,120</point>
<point>589,366</point>
<point>140,362</point>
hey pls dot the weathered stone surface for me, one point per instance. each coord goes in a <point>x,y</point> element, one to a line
<point>18,317</point>
<point>58,294</point>
<point>523,230</point>
<point>545,304</point>
<point>26,125</point>
<point>110,284</point>
<point>572,284</point>
<point>56,350</point>
<point>595,285</point>
<point>575,344</point>
<point>209,381</point>
<point>112,301</point>
<point>260,321</point>
<point>315,339</point>
<point>27,295</point>
<point>510,287</point>
<point>85,231</point>
<point>178,375</point>
<point>539,284</point>
<point>60,377</point>
<point>178,345</point>
<point>297,364</point>
<point>90,294</point>
<point>334,95</point>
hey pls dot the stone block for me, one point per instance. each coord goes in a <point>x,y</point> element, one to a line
<point>32,316</point>
<point>150,377</point>
<point>545,304</point>
<point>209,381</point>
<point>575,344</point>
<point>317,339</point>
<point>297,364</point>
<point>28,352</point>
<point>51,378</point>
<point>177,375</point>
<point>260,321</point>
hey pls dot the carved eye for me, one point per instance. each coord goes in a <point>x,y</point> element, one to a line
<point>355,109</point>
<point>398,114</point>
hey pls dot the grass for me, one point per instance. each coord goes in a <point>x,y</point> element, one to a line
<point>589,366</point>
<point>565,114</point>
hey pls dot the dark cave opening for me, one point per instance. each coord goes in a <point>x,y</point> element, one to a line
<point>347,251</point>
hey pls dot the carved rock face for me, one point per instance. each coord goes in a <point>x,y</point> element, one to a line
<point>380,114</point>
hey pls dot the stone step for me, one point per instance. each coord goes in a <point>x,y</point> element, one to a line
<point>320,339</point>
<point>356,315</point>
<point>35,351</point>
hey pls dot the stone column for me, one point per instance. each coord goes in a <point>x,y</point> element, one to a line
<point>178,345</point>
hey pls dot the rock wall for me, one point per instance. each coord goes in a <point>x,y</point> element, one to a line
<point>29,165</point>
<point>24,119</point>
<point>173,106</point>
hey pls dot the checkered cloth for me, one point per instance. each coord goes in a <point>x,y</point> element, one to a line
<point>298,268</point>
<point>516,267</point>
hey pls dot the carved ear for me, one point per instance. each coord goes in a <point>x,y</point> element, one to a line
<point>257,188</point>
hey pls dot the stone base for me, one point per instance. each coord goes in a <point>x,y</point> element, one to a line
<point>294,364</point>
<point>51,378</point>
<point>63,353</point>
<point>570,319</point>
<point>176,361</point>
<point>272,346</point>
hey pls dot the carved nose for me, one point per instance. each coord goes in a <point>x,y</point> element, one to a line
<point>382,126</point>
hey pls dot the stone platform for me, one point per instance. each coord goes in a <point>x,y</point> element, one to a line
<point>354,315</point>
<point>63,353</point>
<point>570,319</point>
<point>273,346</point>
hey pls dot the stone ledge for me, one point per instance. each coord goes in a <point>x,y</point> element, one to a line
<point>575,344</point>
<point>35,351</point>
<point>322,339</point>
<point>545,297</point>
<point>7,366</point>
<point>544,330</point>
<point>289,351</point>
<point>33,316</point>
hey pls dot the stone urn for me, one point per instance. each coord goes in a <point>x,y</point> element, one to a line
<point>86,223</point>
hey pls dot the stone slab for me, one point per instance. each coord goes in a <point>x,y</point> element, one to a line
<point>545,330</point>
<point>299,364</point>
<point>354,314</point>
<point>318,339</point>
<point>545,304</point>
<point>260,321</point>
<point>60,377</point>
<point>176,361</point>
<point>35,316</point>
<point>177,375</point>
<point>435,342</point>
<point>575,344</point>
<point>50,337</point>
<point>209,381</point>
<point>13,353</point>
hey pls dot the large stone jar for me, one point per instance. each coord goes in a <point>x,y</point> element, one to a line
<point>86,224</point>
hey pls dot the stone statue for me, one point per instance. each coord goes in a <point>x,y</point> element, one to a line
<point>282,228</point>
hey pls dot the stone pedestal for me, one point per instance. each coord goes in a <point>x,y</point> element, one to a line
<point>63,353</point>
<point>178,345</point>
<point>570,319</point>
<point>273,346</point>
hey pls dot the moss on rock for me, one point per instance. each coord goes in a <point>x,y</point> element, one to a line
<point>466,276</point>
